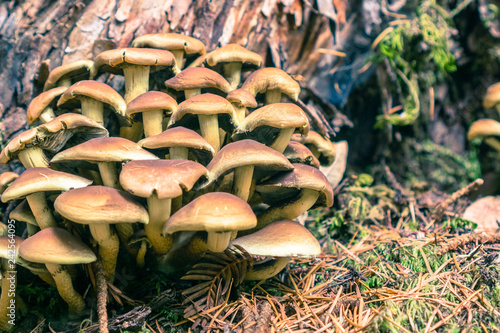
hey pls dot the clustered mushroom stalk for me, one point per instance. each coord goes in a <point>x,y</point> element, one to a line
<point>33,157</point>
<point>159,212</point>
<point>93,109</point>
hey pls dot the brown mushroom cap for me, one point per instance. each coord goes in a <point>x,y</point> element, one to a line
<point>6,178</point>
<point>284,238</point>
<point>170,41</point>
<point>246,152</point>
<point>42,180</point>
<point>204,104</point>
<point>96,90</point>
<point>492,96</point>
<point>271,78</point>
<point>180,137</point>
<point>41,102</point>
<point>263,123</point>
<point>198,78</point>
<point>286,184</point>
<point>233,53</point>
<point>109,149</point>
<point>112,61</point>
<point>482,128</point>
<point>298,153</point>
<point>100,205</point>
<point>166,178</point>
<point>151,101</point>
<point>242,98</point>
<point>68,128</point>
<point>56,246</point>
<point>212,212</point>
<point>324,148</point>
<point>80,69</point>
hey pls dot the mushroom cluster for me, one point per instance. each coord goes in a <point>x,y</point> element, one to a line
<point>187,158</point>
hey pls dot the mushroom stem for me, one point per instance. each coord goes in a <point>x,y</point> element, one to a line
<point>289,210</point>
<point>6,298</point>
<point>178,153</point>
<point>43,215</point>
<point>240,111</point>
<point>139,259</point>
<point>136,81</point>
<point>109,174</point>
<point>108,248</point>
<point>242,181</point>
<point>273,96</point>
<point>209,127</point>
<point>218,241</point>
<point>152,122</point>
<point>64,82</point>
<point>33,157</point>
<point>93,109</point>
<point>65,288</point>
<point>282,139</point>
<point>159,212</point>
<point>232,72</point>
<point>47,115</point>
<point>179,58</point>
<point>188,93</point>
<point>267,269</point>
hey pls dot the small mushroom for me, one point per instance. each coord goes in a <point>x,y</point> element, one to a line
<point>273,82</point>
<point>322,148</point>
<point>219,214</point>
<point>42,107</point>
<point>32,185</point>
<point>243,156</point>
<point>93,96</point>
<point>64,75</point>
<point>98,207</point>
<point>66,129</point>
<point>208,108</point>
<point>192,80</point>
<point>177,143</point>
<point>153,105</point>
<point>179,45</point>
<point>56,247</point>
<point>273,125</point>
<point>486,129</point>
<point>234,59</point>
<point>292,193</point>
<point>160,181</point>
<point>298,153</point>
<point>241,100</point>
<point>281,239</point>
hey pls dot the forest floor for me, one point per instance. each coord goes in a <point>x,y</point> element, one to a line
<point>392,261</point>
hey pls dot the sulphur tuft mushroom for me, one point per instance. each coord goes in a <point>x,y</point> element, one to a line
<point>56,247</point>
<point>282,239</point>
